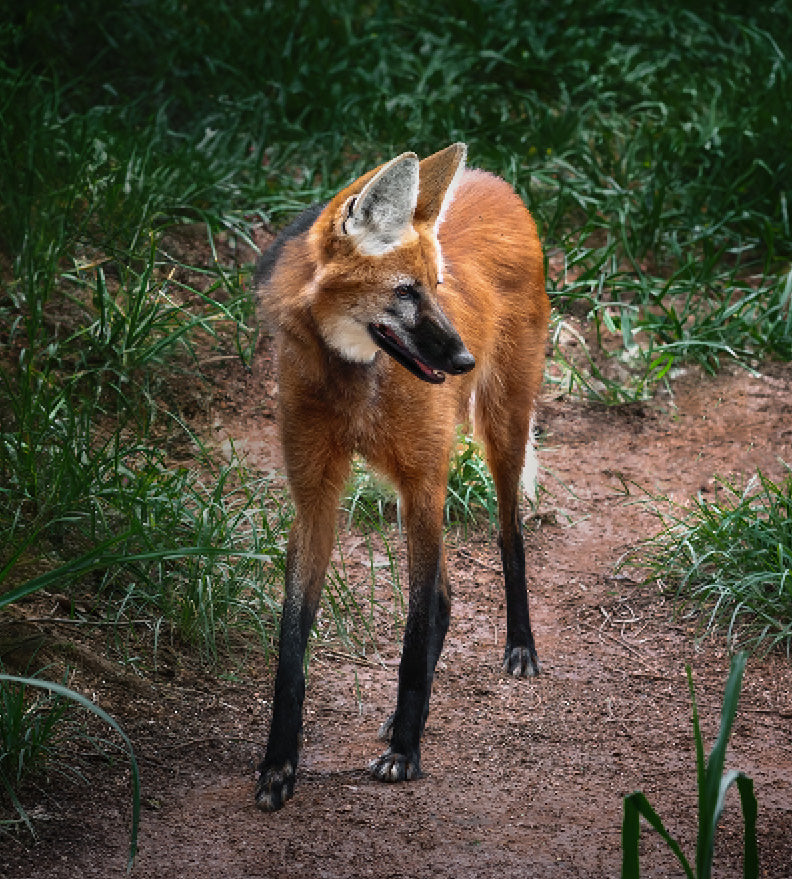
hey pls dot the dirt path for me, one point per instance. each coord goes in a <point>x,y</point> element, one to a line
<point>522,778</point>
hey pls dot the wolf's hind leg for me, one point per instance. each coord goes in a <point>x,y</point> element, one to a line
<point>504,415</point>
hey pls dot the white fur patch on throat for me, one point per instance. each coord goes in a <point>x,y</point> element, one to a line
<point>349,338</point>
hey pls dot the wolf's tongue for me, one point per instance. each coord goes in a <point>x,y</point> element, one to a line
<point>427,370</point>
<point>432,375</point>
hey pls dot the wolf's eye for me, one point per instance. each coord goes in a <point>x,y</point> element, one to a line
<point>407,291</point>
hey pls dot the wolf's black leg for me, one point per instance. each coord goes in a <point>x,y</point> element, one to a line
<point>519,657</point>
<point>402,760</point>
<point>427,622</point>
<point>278,769</point>
<point>307,557</point>
<point>437,633</point>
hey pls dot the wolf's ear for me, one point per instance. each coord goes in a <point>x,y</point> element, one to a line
<point>438,175</point>
<point>382,213</point>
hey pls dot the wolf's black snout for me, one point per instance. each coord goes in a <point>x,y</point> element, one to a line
<point>440,345</point>
<point>462,361</point>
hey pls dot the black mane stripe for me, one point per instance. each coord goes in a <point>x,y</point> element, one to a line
<point>299,226</point>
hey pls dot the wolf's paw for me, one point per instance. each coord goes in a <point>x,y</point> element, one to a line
<point>521,662</point>
<point>275,786</point>
<point>392,766</point>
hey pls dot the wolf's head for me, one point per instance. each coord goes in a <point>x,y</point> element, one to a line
<point>380,263</point>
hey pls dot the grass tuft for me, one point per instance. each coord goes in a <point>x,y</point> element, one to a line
<point>471,494</point>
<point>29,730</point>
<point>729,560</point>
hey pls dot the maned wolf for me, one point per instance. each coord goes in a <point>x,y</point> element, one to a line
<point>414,290</point>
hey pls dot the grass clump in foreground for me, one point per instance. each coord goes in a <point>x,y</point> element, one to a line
<point>31,730</point>
<point>730,561</point>
<point>713,786</point>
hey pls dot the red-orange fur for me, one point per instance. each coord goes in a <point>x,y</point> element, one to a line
<point>494,294</point>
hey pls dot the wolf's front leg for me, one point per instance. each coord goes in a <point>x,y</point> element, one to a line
<point>423,638</point>
<point>440,619</point>
<point>402,760</point>
<point>307,556</point>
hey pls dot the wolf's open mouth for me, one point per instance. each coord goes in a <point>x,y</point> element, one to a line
<point>393,345</point>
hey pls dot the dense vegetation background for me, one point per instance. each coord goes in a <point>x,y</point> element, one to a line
<point>651,142</point>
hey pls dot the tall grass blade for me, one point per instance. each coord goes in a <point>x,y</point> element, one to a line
<point>713,786</point>
<point>750,809</point>
<point>701,776</point>
<point>713,792</point>
<point>636,805</point>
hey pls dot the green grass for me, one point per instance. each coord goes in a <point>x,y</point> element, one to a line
<point>713,786</point>
<point>32,732</point>
<point>371,501</point>
<point>31,728</point>
<point>200,558</point>
<point>729,560</point>
<point>471,496</point>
